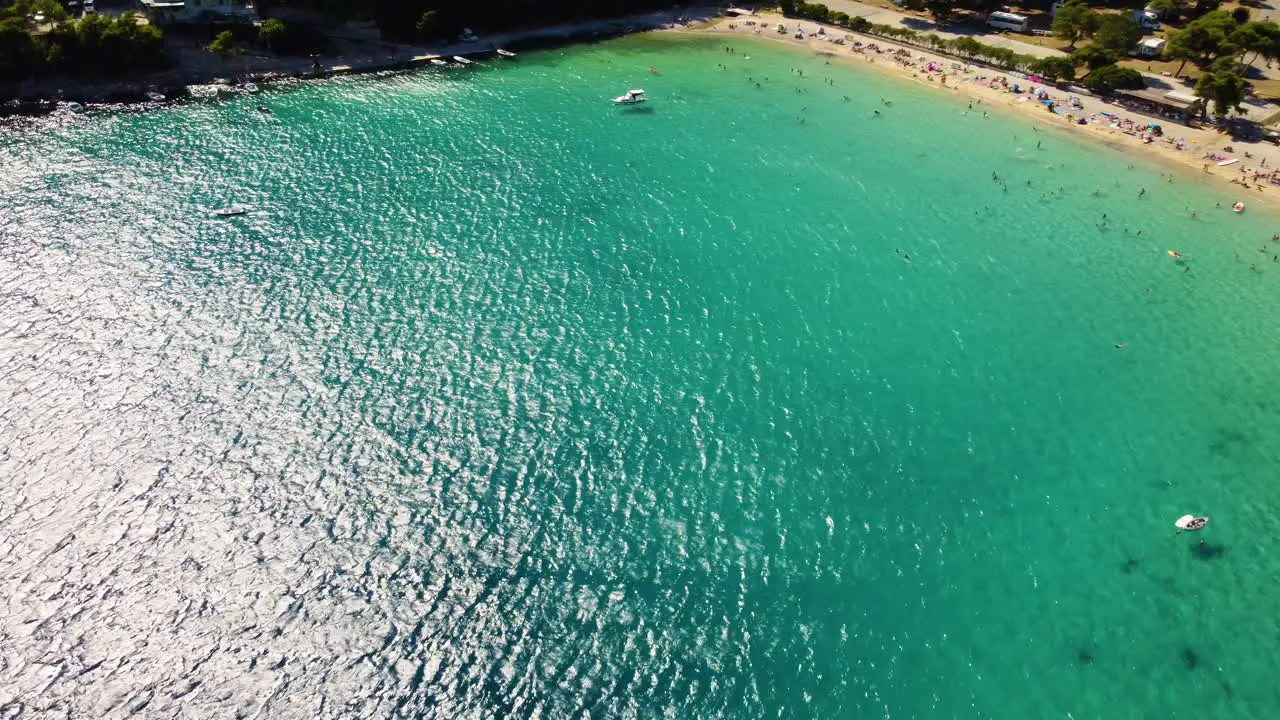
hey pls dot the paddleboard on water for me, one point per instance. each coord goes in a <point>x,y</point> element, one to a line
<point>1174,254</point>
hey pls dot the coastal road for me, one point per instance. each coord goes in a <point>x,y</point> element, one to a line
<point>881,16</point>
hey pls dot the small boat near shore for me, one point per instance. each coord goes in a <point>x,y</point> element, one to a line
<point>438,61</point>
<point>1190,523</point>
<point>154,96</point>
<point>231,211</point>
<point>75,107</point>
<point>633,97</point>
<point>461,60</point>
<point>506,53</point>
<point>251,88</point>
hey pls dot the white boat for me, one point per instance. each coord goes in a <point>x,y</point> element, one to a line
<point>250,88</point>
<point>75,107</point>
<point>438,61</point>
<point>1191,522</point>
<point>632,97</point>
<point>461,60</point>
<point>155,96</point>
<point>230,211</point>
<point>506,53</point>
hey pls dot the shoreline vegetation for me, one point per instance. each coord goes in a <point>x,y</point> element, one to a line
<point>966,70</point>
<point>35,80</point>
<point>1193,152</point>
<point>1053,68</point>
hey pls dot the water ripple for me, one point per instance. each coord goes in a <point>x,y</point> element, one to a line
<point>475,415</point>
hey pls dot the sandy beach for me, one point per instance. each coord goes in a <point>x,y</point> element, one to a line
<point>1182,148</point>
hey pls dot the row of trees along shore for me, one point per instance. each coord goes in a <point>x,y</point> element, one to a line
<point>1101,76</point>
<point>433,20</point>
<point>111,46</point>
<point>37,37</point>
<point>1223,45</point>
<point>425,21</point>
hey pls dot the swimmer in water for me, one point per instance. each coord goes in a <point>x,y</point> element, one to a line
<point>1121,346</point>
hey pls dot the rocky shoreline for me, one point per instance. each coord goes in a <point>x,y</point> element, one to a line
<point>195,67</point>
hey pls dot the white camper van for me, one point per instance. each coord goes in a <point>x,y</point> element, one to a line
<point>1008,21</point>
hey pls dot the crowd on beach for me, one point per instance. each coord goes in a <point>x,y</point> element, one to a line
<point>1103,116</point>
<point>1022,89</point>
<point>934,69</point>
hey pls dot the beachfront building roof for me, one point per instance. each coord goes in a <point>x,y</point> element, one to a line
<point>170,12</point>
<point>1170,104</point>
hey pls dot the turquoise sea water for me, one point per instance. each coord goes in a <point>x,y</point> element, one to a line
<point>506,402</point>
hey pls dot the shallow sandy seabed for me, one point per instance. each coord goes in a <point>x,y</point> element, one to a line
<point>1188,162</point>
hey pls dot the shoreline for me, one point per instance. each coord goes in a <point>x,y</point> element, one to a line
<point>981,85</point>
<point>44,96</point>
<point>974,83</point>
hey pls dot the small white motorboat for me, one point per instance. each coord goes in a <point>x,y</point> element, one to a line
<point>1190,523</point>
<point>633,97</point>
<point>461,60</point>
<point>75,107</point>
<point>506,53</point>
<point>154,96</point>
<point>250,88</point>
<point>231,211</point>
<point>438,61</point>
